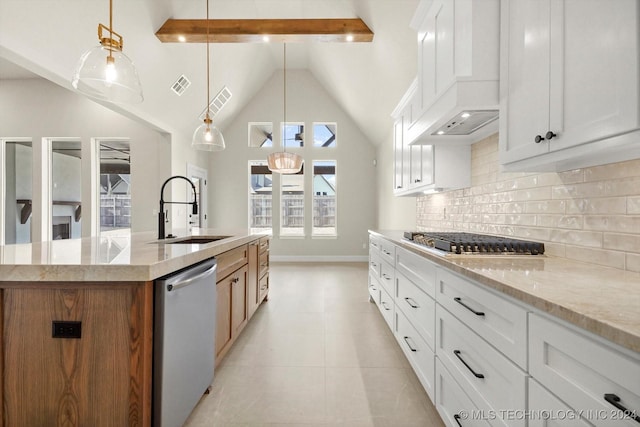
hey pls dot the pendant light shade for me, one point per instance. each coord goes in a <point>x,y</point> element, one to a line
<point>105,73</point>
<point>207,137</point>
<point>283,162</point>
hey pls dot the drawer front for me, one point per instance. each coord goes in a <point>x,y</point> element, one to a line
<point>496,319</point>
<point>417,269</point>
<point>546,410</point>
<point>418,353</point>
<point>263,263</point>
<point>230,261</point>
<point>419,308</point>
<point>491,380</point>
<point>388,251</point>
<point>451,402</point>
<point>374,244</point>
<point>386,307</point>
<point>387,277</point>
<point>374,264</point>
<point>264,244</point>
<point>263,287</point>
<point>582,370</point>
<point>374,289</point>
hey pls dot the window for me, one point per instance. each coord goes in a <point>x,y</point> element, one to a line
<point>18,192</point>
<point>260,196</point>
<point>324,135</point>
<point>324,198</point>
<point>292,202</point>
<point>261,134</point>
<point>115,186</point>
<point>293,135</point>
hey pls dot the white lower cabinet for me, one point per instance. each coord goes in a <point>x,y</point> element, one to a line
<point>588,374</point>
<point>494,383</point>
<point>453,405</point>
<point>419,354</point>
<point>546,410</point>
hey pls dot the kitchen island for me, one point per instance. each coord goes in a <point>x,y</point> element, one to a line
<point>102,290</point>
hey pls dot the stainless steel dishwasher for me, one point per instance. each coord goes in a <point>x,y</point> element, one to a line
<point>184,342</point>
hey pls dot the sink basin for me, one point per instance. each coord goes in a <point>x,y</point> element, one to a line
<point>198,240</point>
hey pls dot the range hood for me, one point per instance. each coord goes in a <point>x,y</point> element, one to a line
<point>457,91</point>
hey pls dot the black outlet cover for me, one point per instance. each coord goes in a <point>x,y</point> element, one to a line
<point>66,329</point>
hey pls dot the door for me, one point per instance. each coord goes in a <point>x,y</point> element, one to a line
<point>198,176</point>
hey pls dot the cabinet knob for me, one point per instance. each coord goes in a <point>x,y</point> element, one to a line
<point>549,135</point>
<point>539,139</point>
<point>417,180</point>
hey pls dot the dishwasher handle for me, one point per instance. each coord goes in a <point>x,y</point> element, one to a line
<point>184,283</point>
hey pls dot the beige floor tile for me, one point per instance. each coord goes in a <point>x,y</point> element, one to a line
<point>317,353</point>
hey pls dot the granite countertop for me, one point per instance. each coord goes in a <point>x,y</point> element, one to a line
<point>111,257</point>
<point>602,300</point>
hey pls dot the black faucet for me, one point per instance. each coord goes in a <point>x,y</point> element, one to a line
<point>161,217</point>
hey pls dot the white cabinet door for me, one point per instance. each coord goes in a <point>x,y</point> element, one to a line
<point>398,155</point>
<point>569,77</point>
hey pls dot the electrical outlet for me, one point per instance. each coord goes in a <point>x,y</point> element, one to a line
<point>66,329</point>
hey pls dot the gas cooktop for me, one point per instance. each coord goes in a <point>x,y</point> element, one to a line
<point>472,243</point>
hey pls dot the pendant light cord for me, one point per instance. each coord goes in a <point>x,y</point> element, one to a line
<point>284,85</point>
<point>207,103</point>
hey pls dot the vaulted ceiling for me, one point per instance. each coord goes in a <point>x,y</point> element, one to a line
<point>366,79</point>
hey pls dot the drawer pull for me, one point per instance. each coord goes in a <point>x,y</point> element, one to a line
<point>412,348</point>
<point>457,353</point>
<point>411,302</point>
<point>386,252</point>
<point>386,277</point>
<point>384,305</point>
<point>457,417</point>
<point>374,265</point>
<point>615,401</point>
<point>459,301</point>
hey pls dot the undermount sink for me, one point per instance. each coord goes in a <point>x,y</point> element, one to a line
<point>198,240</point>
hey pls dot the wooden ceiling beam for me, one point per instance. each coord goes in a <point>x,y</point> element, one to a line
<point>255,30</point>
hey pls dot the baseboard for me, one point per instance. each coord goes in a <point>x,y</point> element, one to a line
<point>318,258</point>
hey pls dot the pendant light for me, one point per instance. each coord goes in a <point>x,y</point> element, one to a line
<point>104,72</point>
<point>208,137</point>
<point>282,161</point>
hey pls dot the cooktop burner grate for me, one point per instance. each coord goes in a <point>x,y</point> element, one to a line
<point>463,243</point>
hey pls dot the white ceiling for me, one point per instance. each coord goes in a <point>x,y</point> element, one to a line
<point>366,79</point>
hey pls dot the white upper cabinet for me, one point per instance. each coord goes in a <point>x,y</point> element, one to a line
<point>458,71</point>
<point>569,83</point>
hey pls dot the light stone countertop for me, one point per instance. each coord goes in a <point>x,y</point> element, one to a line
<point>602,300</point>
<point>111,258</point>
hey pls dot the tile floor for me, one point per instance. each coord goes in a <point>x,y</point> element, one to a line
<point>317,353</point>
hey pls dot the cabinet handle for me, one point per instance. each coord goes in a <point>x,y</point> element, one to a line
<point>406,339</point>
<point>235,280</point>
<point>386,252</point>
<point>411,302</point>
<point>398,187</point>
<point>459,301</point>
<point>386,277</point>
<point>374,265</point>
<point>457,353</point>
<point>417,180</point>
<point>457,417</point>
<point>615,401</point>
<point>550,135</point>
<point>538,139</point>
<point>384,305</point>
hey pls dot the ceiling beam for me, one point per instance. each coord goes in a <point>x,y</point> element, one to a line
<point>255,30</point>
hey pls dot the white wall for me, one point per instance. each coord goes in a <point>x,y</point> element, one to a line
<point>307,102</point>
<point>37,109</point>
<point>394,213</point>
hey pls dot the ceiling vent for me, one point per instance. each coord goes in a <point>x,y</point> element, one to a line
<point>181,85</point>
<point>218,102</point>
<point>467,122</point>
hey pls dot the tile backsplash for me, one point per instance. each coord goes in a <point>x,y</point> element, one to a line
<point>590,214</point>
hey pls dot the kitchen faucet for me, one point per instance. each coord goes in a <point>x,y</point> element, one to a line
<point>161,215</point>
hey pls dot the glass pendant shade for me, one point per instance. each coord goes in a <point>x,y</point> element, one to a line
<point>107,74</point>
<point>284,162</point>
<point>208,137</point>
